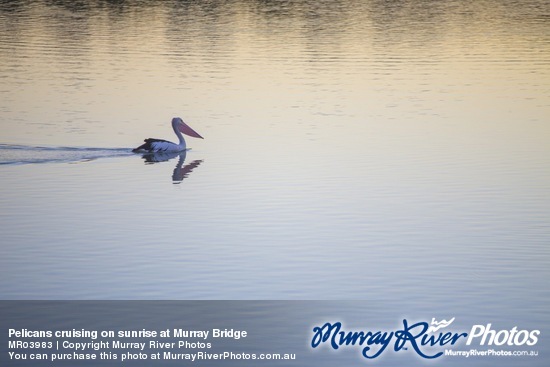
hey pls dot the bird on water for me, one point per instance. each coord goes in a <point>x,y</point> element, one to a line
<point>152,145</point>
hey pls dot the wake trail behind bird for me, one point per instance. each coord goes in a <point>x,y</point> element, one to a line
<point>11,154</point>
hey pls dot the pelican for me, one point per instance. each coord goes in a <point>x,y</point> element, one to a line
<point>158,145</point>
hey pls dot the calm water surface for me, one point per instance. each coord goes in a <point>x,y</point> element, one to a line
<point>353,150</point>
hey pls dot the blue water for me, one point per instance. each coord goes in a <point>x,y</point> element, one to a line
<point>353,150</point>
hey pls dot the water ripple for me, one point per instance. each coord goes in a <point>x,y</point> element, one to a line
<point>22,154</point>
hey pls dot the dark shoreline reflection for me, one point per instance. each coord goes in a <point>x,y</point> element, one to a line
<point>180,171</point>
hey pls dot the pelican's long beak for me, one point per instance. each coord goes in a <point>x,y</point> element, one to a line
<point>185,129</point>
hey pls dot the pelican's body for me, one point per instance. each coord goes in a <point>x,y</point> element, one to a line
<point>152,145</point>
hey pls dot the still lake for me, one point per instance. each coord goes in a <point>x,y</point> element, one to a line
<point>352,150</point>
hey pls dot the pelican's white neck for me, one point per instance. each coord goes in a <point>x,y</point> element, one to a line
<point>175,124</point>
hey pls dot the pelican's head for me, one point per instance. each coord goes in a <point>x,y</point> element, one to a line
<point>178,123</point>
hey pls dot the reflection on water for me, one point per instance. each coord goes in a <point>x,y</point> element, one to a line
<point>356,149</point>
<point>180,171</point>
<point>20,154</point>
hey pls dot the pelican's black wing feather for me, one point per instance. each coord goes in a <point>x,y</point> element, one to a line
<point>148,145</point>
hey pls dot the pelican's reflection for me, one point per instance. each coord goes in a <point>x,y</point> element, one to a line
<point>180,171</point>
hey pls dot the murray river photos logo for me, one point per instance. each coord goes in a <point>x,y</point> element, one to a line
<point>427,340</point>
